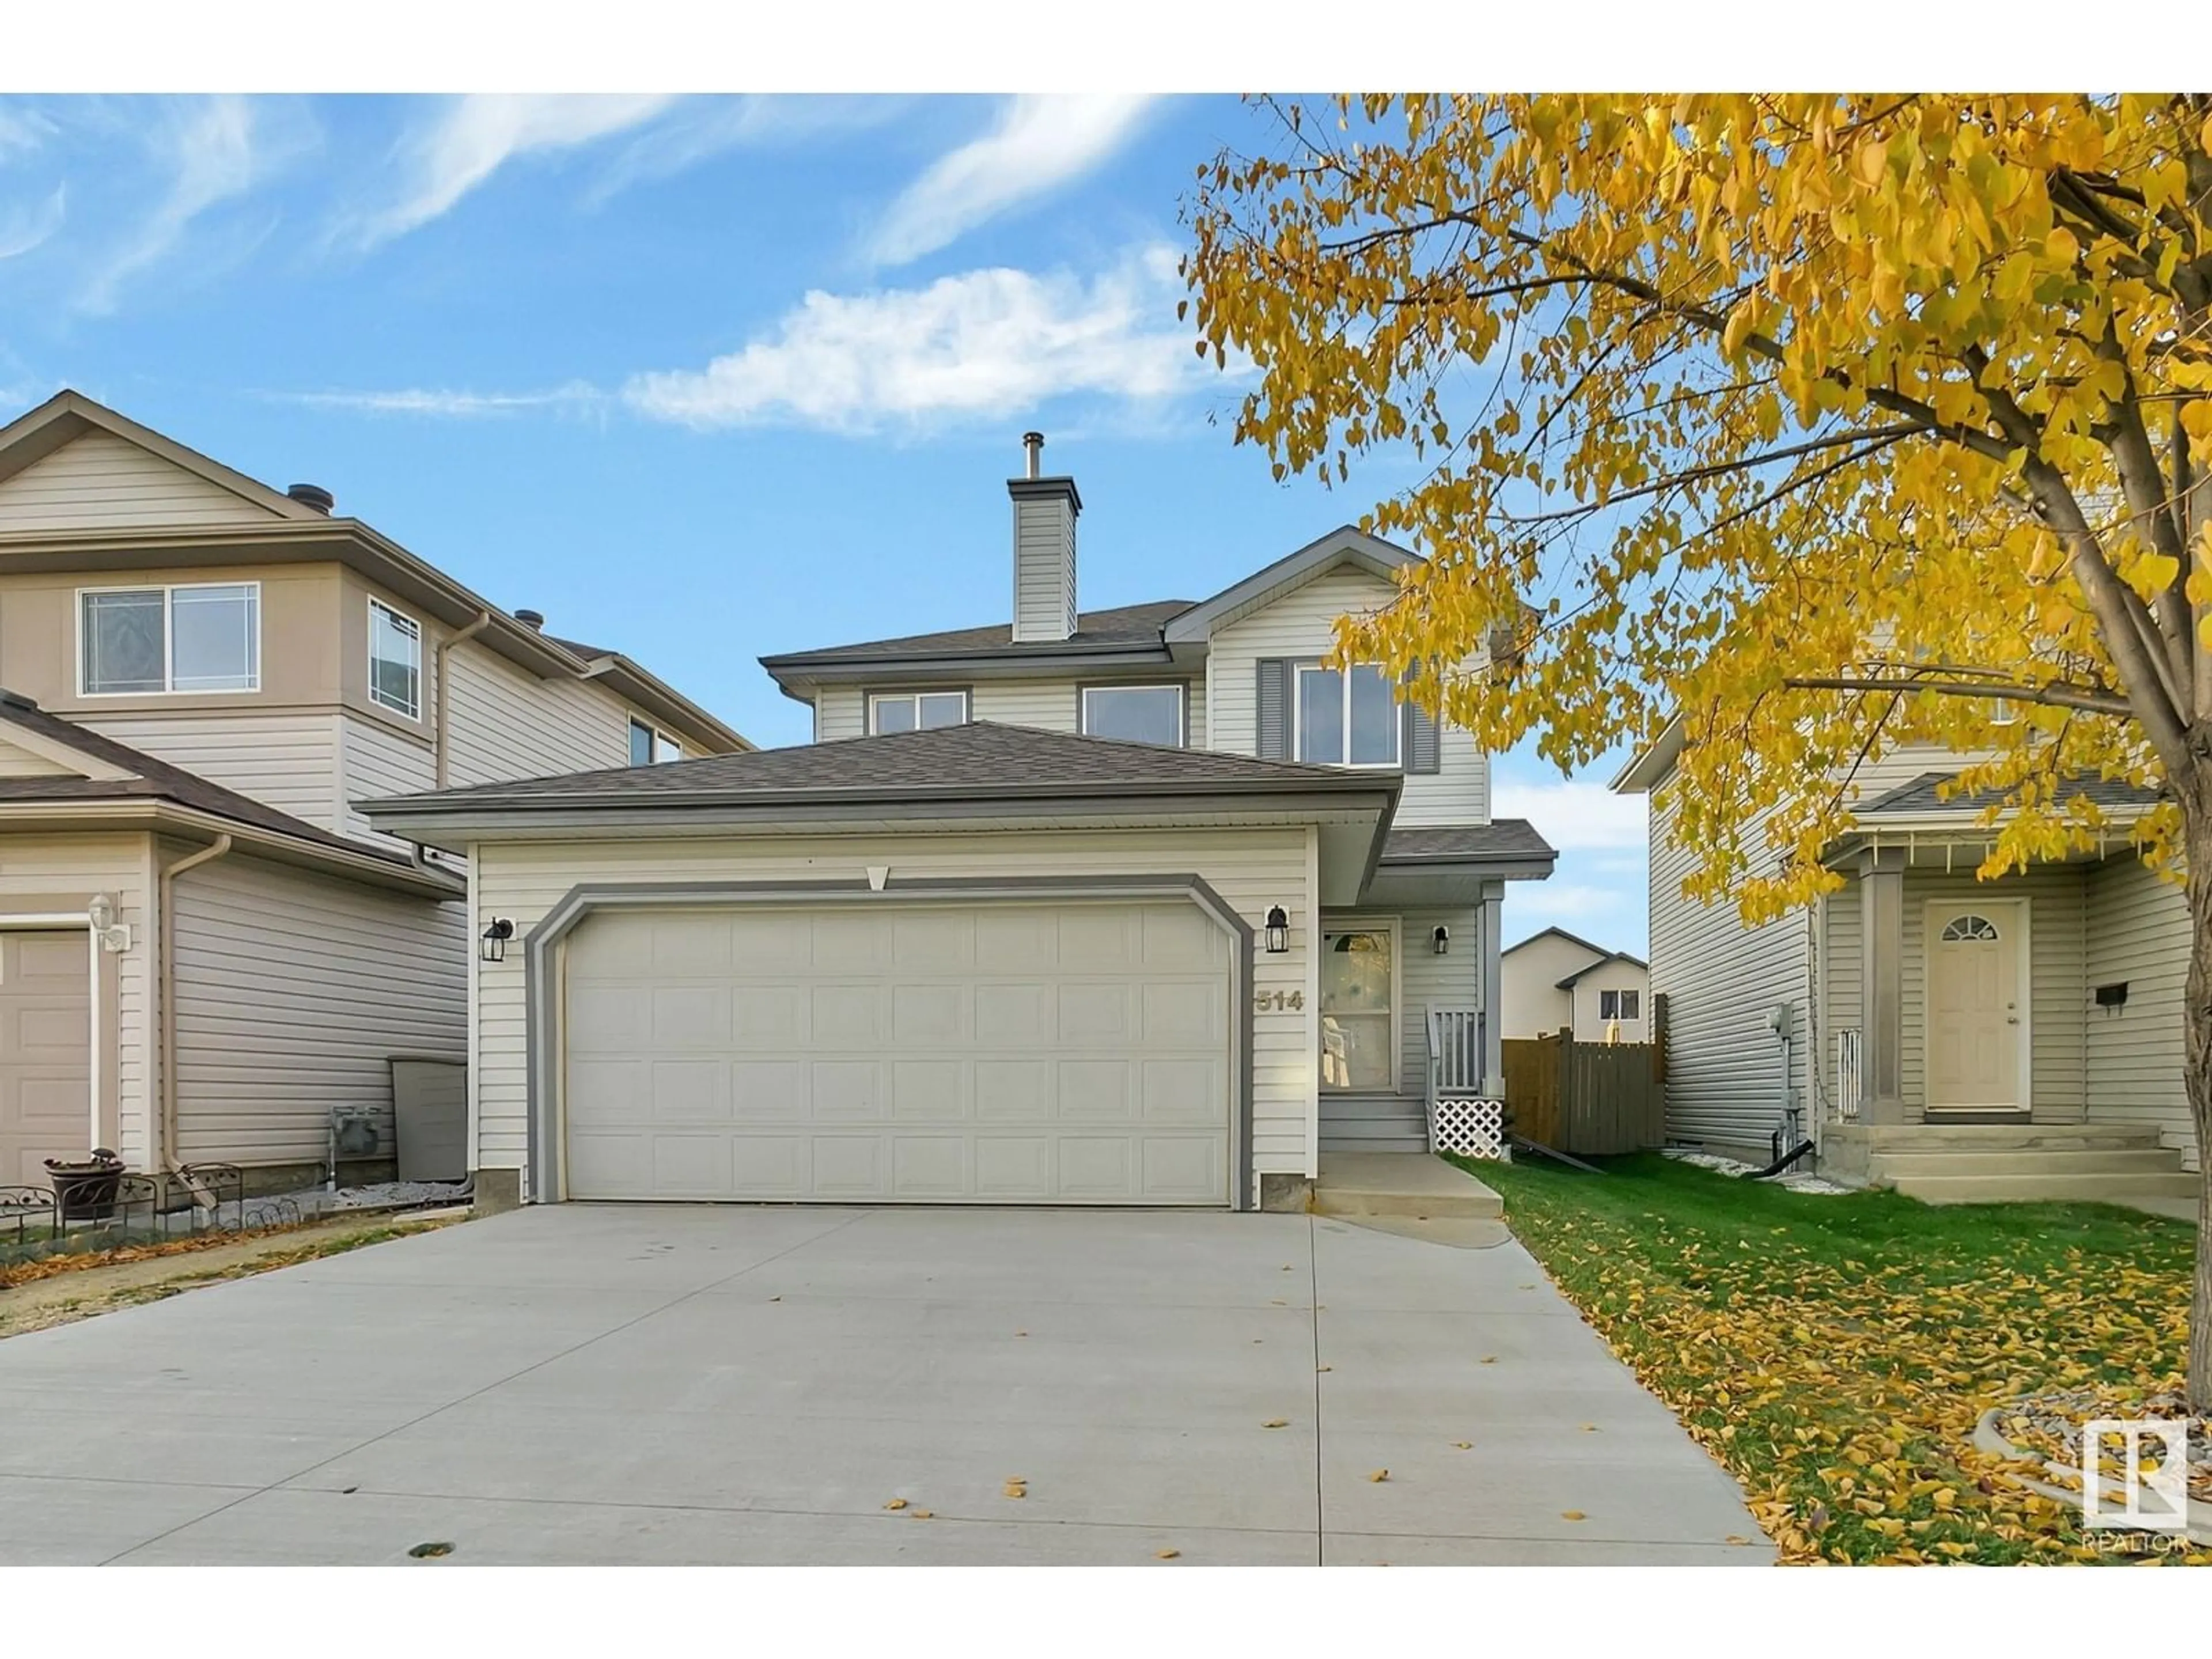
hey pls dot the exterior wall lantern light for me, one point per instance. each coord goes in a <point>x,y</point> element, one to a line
<point>1279,930</point>
<point>1441,938</point>
<point>494,943</point>
<point>99,914</point>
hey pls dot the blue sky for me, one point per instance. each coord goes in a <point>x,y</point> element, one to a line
<point>700,378</point>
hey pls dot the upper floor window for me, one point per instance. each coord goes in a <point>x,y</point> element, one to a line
<point>1135,713</point>
<point>649,747</point>
<point>136,642</point>
<point>1347,716</point>
<point>395,661</point>
<point>916,711</point>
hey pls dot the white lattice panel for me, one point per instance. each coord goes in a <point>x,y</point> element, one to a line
<point>1474,1128</point>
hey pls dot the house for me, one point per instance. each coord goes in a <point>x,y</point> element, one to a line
<point>1135,906</point>
<point>204,947</point>
<point>1951,1036</point>
<point>1554,980</point>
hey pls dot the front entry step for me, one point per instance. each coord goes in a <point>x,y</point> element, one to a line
<point>2091,1188</point>
<point>1413,1185</point>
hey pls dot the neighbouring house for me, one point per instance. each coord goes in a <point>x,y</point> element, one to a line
<point>1954,1037</point>
<point>1137,906</point>
<point>204,947</point>
<point>1554,980</point>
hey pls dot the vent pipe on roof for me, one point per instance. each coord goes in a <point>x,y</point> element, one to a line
<point>532,620</point>
<point>1044,549</point>
<point>313,495</point>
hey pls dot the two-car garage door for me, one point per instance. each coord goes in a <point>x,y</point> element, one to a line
<point>1064,1053</point>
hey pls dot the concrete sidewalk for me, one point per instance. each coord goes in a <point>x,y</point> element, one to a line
<point>673,1384</point>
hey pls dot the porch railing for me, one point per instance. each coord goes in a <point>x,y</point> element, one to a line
<point>1461,1118</point>
<point>1850,1081</point>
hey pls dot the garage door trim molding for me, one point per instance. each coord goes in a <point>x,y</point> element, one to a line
<point>542,988</point>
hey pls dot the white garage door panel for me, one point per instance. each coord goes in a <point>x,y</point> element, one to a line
<point>1027,1053</point>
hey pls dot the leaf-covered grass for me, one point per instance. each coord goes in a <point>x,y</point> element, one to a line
<point>1836,1352</point>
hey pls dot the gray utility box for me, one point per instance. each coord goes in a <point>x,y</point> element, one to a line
<point>430,1113</point>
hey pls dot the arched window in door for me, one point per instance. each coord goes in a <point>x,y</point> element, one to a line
<point>1964,930</point>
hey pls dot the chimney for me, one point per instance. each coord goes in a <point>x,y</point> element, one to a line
<point>313,496</point>
<point>1044,549</point>
<point>532,620</point>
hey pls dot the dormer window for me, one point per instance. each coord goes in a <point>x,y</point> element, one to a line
<point>650,746</point>
<point>1347,716</point>
<point>915,711</point>
<point>1134,714</point>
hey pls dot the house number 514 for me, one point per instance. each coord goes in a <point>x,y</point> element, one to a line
<point>1278,1000</point>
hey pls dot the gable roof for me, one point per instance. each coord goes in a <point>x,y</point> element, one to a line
<point>1605,961</point>
<point>32,436</point>
<point>1345,544</point>
<point>980,761</point>
<point>1924,797</point>
<point>1556,933</point>
<point>119,772</point>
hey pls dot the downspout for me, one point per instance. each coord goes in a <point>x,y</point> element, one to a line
<point>440,746</point>
<point>165,1025</point>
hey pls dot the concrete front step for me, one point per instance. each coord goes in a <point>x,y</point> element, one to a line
<point>1888,1167</point>
<point>1400,1144</point>
<point>2013,1188</point>
<point>1410,1184</point>
<point>1885,1138</point>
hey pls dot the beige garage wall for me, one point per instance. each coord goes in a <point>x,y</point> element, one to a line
<point>54,873</point>
<point>1251,869</point>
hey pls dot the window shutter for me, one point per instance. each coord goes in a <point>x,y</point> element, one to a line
<point>1416,742</point>
<point>1272,709</point>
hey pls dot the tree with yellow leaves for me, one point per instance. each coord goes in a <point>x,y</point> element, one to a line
<point>1825,423</point>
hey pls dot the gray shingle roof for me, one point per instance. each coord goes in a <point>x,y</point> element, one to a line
<point>1502,840</point>
<point>156,780</point>
<point>1124,625</point>
<point>980,761</point>
<point>1923,795</point>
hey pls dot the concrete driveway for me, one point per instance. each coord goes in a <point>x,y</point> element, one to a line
<point>672,1384</point>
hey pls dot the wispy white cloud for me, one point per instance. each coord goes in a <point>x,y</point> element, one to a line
<point>697,129</point>
<point>217,150</point>
<point>1038,144</point>
<point>23,130</point>
<point>1574,814</point>
<point>23,228</point>
<point>471,137</point>
<point>993,342</point>
<point>450,403</point>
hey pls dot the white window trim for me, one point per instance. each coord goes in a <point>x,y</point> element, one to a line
<point>916,694</point>
<point>1183,706</point>
<point>1617,992</point>
<point>168,590</point>
<point>636,724</point>
<point>1298,672</point>
<point>1357,924</point>
<point>415,714</point>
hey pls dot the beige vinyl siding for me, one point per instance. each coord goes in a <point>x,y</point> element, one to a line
<point>1049,705</point>
<point>1428,980</point>
<point>1301,624</point>
<point>1587,1015</point>
<point>1252,869</point>
<point>99,480</point>
<point>509,723</point>
<point>1044,569</point>
<point>1724,1084</point>
<point>293,991</point>
<point>289,761</point>
<point>2054,945</point>
<point>840,712</point>
<point>2138,932</point>
<point>19,762</point>
<point>1837,919</point>
<point>1528,978</point>
<point>379,762</point>
<point>35,870</point>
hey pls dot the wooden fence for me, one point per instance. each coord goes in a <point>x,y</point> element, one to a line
<point>1593,1099</point>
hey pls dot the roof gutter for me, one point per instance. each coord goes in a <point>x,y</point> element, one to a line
<point>159,814</point>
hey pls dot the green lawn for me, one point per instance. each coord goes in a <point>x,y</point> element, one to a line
<point>1835,1352</point>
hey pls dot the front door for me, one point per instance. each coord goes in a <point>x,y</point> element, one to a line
<point>1358,1011</point>
<point>1977,1012</point>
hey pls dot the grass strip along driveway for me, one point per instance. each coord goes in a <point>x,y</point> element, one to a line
<point>1836,1352</point>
